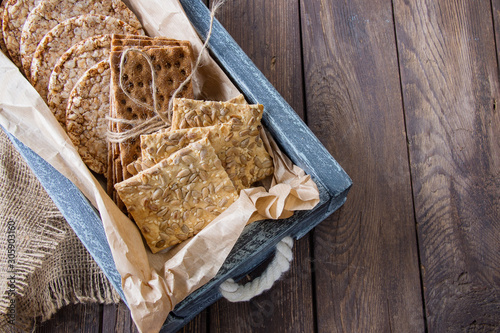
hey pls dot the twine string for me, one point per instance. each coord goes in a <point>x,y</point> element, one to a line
<point>160,120</point>
<point>215,7</point>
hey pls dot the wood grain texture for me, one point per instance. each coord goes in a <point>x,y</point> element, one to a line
<point>84,318</point>
<point>366,259</point>
<point>449,75</point>
<point>287,307</point>
<point>116,318</point>
<point>269,33</point>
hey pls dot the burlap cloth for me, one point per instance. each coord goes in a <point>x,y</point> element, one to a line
<point>49,267</point>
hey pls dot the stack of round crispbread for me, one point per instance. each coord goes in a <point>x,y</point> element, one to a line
<point>54,43</point>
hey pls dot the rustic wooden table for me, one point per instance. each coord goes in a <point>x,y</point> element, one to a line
<point>404,95</point>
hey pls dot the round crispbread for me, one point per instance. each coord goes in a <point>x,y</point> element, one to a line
<point>15,14</point>
<point>86,123</point>
<point>52,12</point>
<point>3,47</point>
<point>62,37</point>
<point>70,67</point>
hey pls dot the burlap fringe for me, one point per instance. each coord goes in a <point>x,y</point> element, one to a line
<point>52,268</point>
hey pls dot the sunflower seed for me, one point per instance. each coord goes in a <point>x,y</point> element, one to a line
<point>203,175</point>
<point>183,173</point>
<point>175,202</point>
<point>188,159</point>
<point>131,169</point>
<point>210,208</point>
<point>222,202</point>
<point>244,143</point>
<point>160,243</point>
<point>257,161</point>
<point>175,136</point>
<point>157,194</point>
<point>185,228</point>
<point>267,164</point>
<point>199,226</point>
<point>163,212</point>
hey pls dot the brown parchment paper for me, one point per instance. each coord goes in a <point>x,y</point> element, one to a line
<point>154,283</point>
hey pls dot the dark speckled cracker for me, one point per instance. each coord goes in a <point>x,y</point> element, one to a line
<point>172,65</point>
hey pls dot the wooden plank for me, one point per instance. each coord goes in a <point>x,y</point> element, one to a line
<point>85,318</point>
<point>495,7</point>
<point>116,318</point>
<point>287,307</point>
<point>198,324</point>
<point>366,259</point>
<point>268,32</point>
<point>449,75</point>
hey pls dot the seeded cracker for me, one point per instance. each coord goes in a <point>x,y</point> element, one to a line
<point>16,13</point>
<point>86,122</point>
<point>241,152</point>
<point>121,42</point>
<point>62,37</point>
<point>138,165</point>
<point>52,12</point>
<point>70,67</point>
<point>188,113</point>
<point>171,64</point>
<point>171,202</point>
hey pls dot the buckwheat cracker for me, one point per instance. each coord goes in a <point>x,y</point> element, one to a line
<point>50,13</point>
<point>62,37</point>
<point>241,152</point>
<point>86,123</point>
<point>178,197</point>
<point>187,113</point>
<point>70,67</point>
<point>171,64</point>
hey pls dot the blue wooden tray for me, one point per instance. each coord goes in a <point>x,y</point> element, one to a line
<point>259,239</point>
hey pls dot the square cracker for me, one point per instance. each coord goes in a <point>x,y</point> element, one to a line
<point>172,66</point>
<point>188,113</point>
<point>178,197</point>
<point>241,152</point>
<point>119,42</point>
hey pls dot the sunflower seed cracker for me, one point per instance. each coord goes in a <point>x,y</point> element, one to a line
<point>241,152</point>
<point>167,207</point>
<point>188,113</point>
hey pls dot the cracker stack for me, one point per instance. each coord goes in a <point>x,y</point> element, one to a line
<point>174,182</point>
<point>172,61</point>
<point>190,173</point>
<point>178,197</point>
